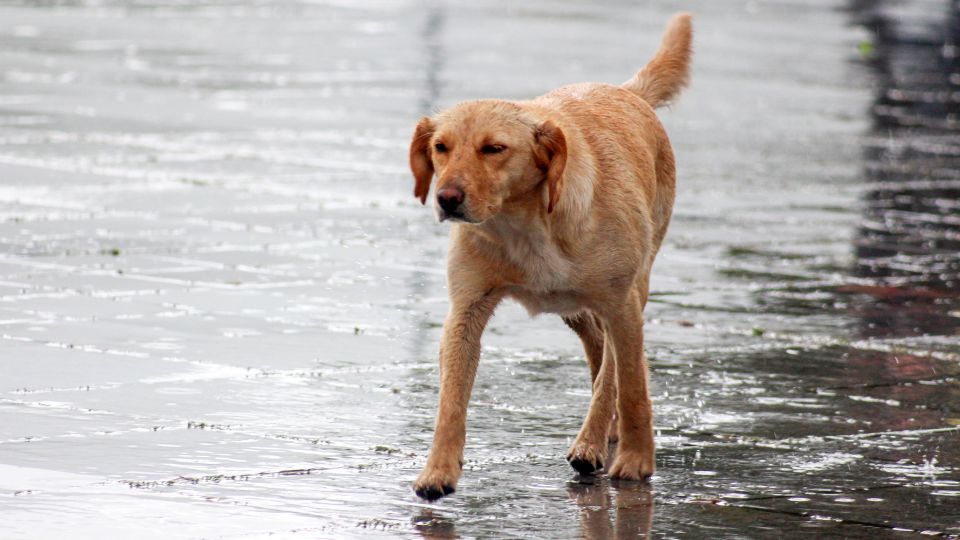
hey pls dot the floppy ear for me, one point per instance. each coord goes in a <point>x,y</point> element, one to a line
<point>420,163</point>
<point>552,157</point>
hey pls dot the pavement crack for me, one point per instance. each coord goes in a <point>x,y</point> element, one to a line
<point>812,515</point>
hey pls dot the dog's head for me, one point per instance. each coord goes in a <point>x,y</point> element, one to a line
<point>485,154</point>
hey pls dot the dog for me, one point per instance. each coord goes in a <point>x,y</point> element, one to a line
<point>560,203</point>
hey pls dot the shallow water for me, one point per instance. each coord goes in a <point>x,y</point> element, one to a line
<point>220,306</point>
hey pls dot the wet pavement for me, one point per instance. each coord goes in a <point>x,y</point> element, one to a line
<point>220,305</point>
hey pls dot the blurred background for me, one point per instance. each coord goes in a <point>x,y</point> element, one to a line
<point>220,303</point>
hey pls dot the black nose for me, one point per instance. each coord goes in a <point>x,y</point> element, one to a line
<point>449,199</point>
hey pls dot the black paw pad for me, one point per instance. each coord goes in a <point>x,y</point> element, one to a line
<point>432,493</point>
<point>583,466</point>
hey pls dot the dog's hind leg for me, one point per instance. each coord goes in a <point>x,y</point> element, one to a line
<point>589,450</point>
<point>587,327</point>
<point>590,332</point>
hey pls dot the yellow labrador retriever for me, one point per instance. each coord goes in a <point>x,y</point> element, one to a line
<point>560,203</point>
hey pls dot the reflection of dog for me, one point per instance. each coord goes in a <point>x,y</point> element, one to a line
<point>632,516</point>
<point>561,203</point>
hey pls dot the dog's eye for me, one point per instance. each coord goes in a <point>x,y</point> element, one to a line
<point>440,147</point>
<point>493,148</point>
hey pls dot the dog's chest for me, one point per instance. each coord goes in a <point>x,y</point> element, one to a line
<point>545,269</point>
<point>548,276</point>
<point>563,302</point>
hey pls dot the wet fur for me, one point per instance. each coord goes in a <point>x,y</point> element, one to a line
<point>567,220</point>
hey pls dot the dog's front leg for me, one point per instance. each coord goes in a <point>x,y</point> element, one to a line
<point>459,356</point>
<point>635,454</point>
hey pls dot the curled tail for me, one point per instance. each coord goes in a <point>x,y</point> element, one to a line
<point>669,71</point>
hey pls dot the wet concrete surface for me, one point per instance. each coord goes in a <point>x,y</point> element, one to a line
<point>220,306</point>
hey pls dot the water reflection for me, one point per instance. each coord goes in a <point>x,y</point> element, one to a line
<point>908,244</point>
<point>630,504</point>
<point>432,525</point>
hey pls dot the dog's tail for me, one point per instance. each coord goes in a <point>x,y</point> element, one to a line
<point>669,71</point>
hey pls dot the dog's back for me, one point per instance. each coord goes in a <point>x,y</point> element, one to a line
<point>623,133</point>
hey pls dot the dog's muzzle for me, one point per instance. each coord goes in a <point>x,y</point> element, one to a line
<point>450,203</point>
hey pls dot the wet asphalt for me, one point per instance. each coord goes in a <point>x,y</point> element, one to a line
<point>220,305</point>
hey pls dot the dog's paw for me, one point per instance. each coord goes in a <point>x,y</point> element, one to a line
<point>436,482</point>
<point>633,465</point>
<point>587,458</point>
<point>432,493</point>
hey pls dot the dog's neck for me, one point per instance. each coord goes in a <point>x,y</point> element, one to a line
<point>572,213</point>
<point>542,245</point>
